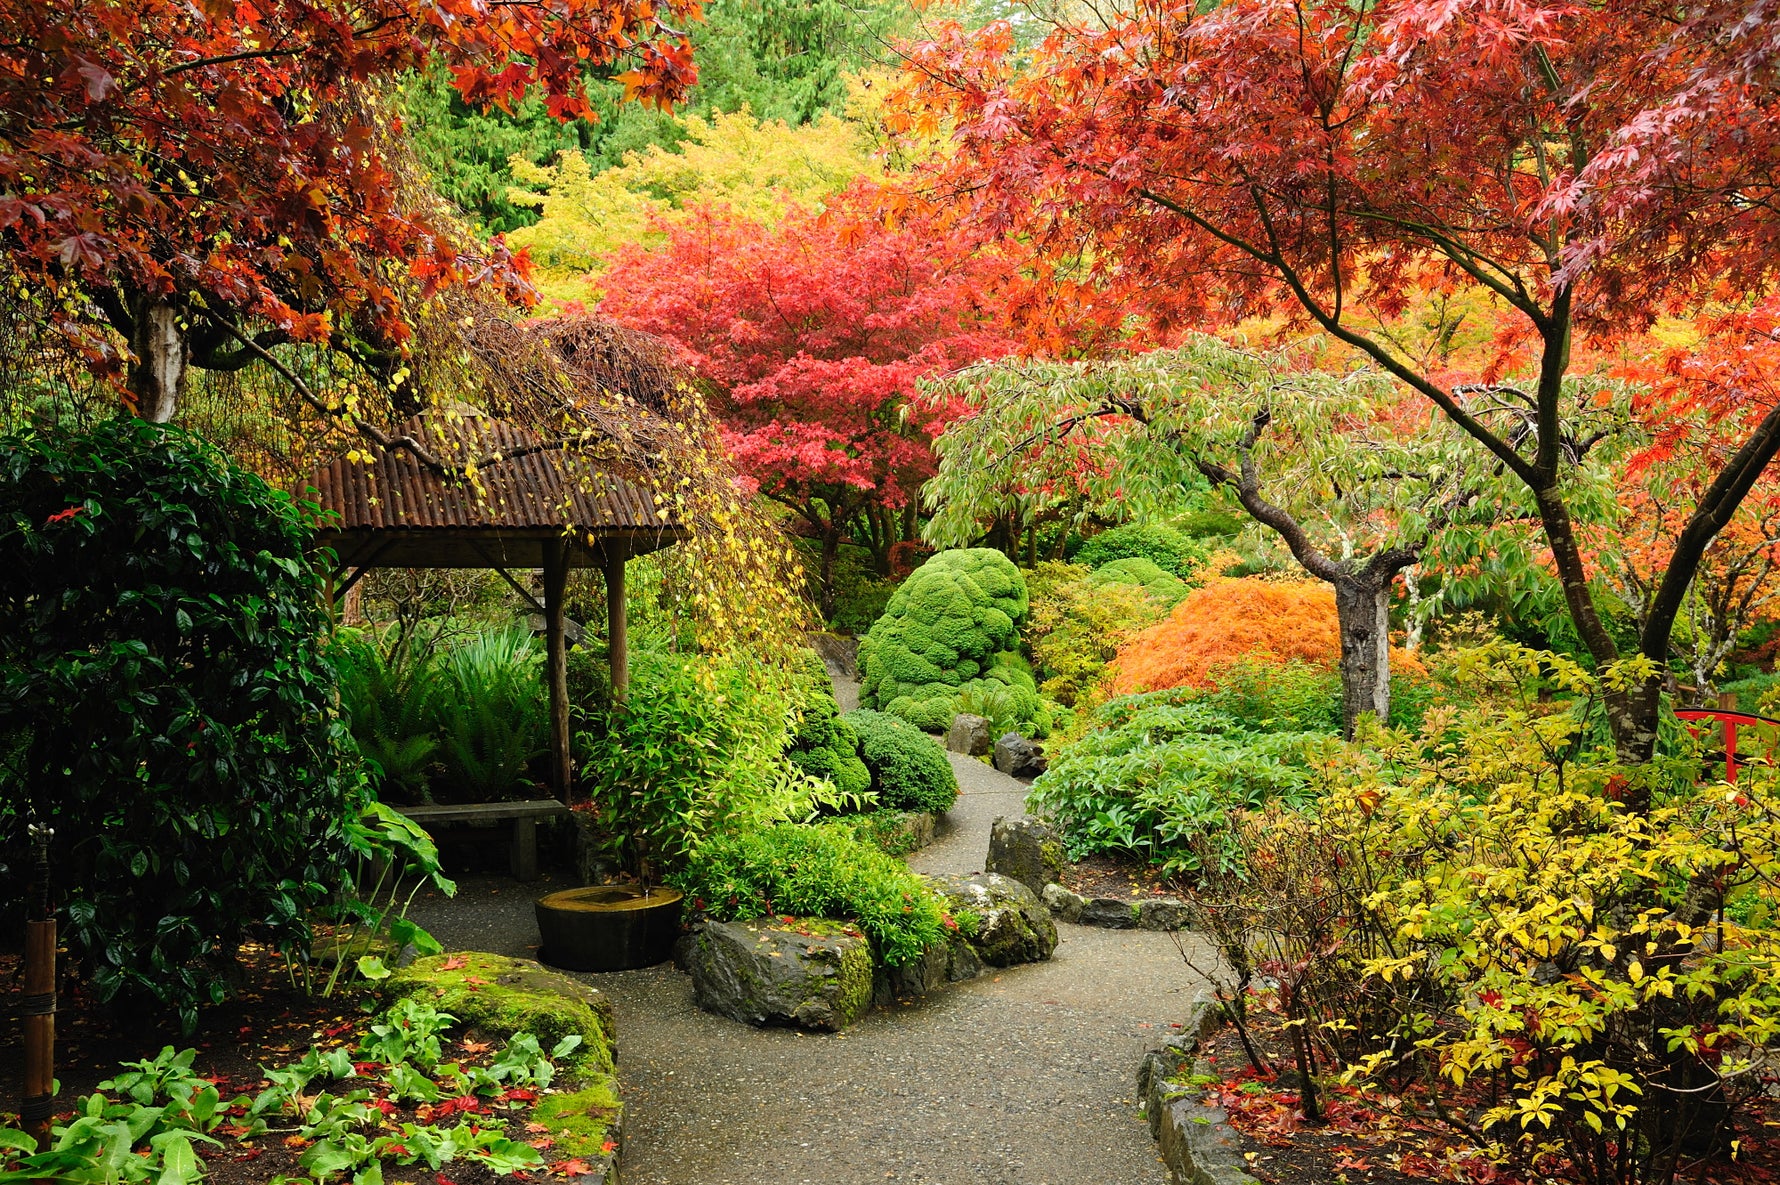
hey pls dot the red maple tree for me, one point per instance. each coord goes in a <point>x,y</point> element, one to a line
<point>812,335</point>
<point>195,183</point>
<point>1329,160</point>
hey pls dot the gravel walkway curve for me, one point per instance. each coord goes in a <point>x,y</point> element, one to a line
<point>1022,1077</point>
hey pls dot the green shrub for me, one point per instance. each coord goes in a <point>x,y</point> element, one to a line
<point>952,624</point>
<point>1167,548</point>
<point>697,747</point>
<point>1159,584</point>
<point>1078,626</point>
<point>1162,774</point>
<point>909,770</point>
<point>824,745</point>
<point>165,706</point>
<point>817,870</point>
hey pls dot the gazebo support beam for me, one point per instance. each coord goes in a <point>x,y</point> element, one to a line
<point>617,643</point>
<point>556,578</point>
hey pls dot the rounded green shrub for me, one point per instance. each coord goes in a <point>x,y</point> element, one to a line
<point>815,870</point>
<point>952,625</point>
<point>1167,548</point>
<point>1157,582</point>
<point>165,706</point>
<point>909,770</point>
<point>825,745</point>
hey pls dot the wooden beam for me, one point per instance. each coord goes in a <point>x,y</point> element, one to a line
<point>556,575</point>
<point>617,644</point>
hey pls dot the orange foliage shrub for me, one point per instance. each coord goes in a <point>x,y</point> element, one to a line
<point>1229,619</point>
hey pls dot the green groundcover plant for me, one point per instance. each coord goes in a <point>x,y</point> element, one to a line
<point>165,706</point>
<point>1162,775</point>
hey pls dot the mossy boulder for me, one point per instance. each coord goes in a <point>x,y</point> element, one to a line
<point>499,996</point>
<point>1028,850</point>
<point>809,973</point>
<point>953,628</point>
<point>1008,924</point>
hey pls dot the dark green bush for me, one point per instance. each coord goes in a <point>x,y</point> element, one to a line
<point>815,870</point>
<point>909,770</point>
<point>1169,549</point>
<point>165,705</point>
<point>824,745</point>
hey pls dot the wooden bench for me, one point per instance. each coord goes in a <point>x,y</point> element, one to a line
<point>524,816</point>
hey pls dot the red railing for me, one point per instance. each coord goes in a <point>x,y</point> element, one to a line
<point>1730,722</point>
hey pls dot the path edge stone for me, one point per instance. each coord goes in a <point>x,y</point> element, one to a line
<point>1117,913</point>
<point>1194,1140</point>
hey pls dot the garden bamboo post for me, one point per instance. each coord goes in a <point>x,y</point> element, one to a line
<point>617,644</point>
<point>39,1005</point>
<point>556,574</point>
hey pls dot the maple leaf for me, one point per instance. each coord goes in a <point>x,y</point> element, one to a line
<point>454,963</point>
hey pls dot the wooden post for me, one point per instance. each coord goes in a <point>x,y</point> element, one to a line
<point>39,1005</point>
<point>556,575</point>
<point>617,645</point>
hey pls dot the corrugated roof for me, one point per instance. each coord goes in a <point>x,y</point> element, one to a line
<point>545,489</point>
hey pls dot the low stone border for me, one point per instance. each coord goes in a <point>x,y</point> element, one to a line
<point>1116,913</point>
<point>1195,1142</point>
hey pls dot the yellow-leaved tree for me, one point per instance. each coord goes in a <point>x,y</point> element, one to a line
<point>757,168</point>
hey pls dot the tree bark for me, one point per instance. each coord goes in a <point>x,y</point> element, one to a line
<point>1362,611</point>
<point>157,376</point>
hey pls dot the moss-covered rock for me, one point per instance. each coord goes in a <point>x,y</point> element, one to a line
<point>953,626</point>
<point>810,973</point>
<point>498,996</point>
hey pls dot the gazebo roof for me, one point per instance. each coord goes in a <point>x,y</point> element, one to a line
<point>394,511</point>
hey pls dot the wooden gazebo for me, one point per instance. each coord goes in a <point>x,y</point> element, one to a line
<point>458,489</point>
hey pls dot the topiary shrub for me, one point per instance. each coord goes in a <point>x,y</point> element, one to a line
<point>825,745</point>
<point>953,623</point>
<point>821,871</point>
<point>166,707</point>
<point>909,770</point>
<point>1171,550</point>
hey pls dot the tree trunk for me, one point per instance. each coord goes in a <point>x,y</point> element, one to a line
<point>1362,609</point>
<point>831,550</point>
<point>162,353</point>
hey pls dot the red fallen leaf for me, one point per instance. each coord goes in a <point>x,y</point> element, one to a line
<point>476,1046</point>
<point>519,1094</point>
<point>442,1179</point>
<point>454,963</point>
<point>536,1127</point>
<point>542,1143</point>
<point>475,981</point>
<point>609,1146</point>
<point>364,1069</point>
<point>571,1168</point>
<point>63,516</point>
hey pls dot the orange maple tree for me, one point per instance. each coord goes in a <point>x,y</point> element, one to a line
<point>194,184</point>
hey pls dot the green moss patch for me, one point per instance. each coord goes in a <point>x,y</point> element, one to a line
<point>582,1121</point>
<point>499,996</point>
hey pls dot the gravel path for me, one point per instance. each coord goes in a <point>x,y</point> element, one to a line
<point>1021,1077</point>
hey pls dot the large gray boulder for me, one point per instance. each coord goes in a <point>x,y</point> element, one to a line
<point>1018,757</point>
<point>1029,850</point>
<point>968,735</point>
<point>805,972</point>
<point>1005,921</point>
